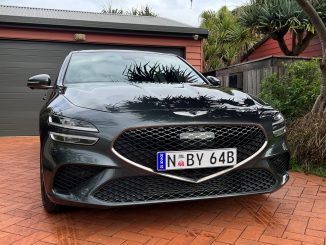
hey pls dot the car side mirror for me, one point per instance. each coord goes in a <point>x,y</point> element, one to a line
<point>214,81</point>
<point>42,81</point>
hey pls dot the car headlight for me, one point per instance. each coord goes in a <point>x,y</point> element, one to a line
<point>279,127</point>
<point>69,123</point>
<point>73,139</point>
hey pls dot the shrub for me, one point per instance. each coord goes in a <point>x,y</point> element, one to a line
<point>295,92</point>
<point>307,141</point>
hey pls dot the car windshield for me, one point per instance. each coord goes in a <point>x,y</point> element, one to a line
<point>141,67</point>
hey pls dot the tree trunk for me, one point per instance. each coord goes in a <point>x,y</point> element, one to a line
<point>320,104</point>
<point>302,43</point>
<point>284,47</point>
<point>279,37</point>
<point>299,44</point>
<point>311,13</point>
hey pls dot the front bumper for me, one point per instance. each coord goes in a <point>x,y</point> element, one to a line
<point>114,182</point>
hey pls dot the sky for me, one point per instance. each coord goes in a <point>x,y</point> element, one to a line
<point>179,10</point>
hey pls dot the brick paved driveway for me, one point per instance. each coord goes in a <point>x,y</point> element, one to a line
<point>296,214</point>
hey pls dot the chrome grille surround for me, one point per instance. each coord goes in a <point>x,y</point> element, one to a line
<point>253,142</point>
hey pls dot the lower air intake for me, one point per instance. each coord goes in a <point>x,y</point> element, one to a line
<point>158,188</point>
<point>70,176</point>
<point>280,163</point>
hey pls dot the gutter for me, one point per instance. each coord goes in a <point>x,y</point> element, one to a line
<point>104,27</point>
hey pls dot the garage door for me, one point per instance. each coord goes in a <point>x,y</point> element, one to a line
<point>20,106</point>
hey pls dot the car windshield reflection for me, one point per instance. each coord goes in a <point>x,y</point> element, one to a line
<point>131,67</point>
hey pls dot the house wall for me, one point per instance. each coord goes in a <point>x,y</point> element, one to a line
<point>193,48</point>
<point>254,72</point>
<point>271,47</point>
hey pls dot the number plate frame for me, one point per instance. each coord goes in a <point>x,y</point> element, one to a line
<point>196,159</point>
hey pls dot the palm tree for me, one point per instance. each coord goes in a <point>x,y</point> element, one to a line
<point>227,39</point>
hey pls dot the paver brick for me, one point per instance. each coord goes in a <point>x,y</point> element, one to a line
<point>132,243</point>
<point>252,233</point>
<point>132,236</point>
<point>229,235</point>
<point>278,240</point>
<point>316,233</point>
<point>159,233</point>
<point>19,230</point>
<point>203,240</point>
<point>303,238</point>
<point>297,226</point>
<point>157,241</point>
<point>317,224</point>
<point>32,238</point>
<point>182,239</point>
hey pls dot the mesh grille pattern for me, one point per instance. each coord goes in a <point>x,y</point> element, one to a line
<point>141,145</point>
<point>70,176</point>
<point>156,188</point>
<point>280,163</point>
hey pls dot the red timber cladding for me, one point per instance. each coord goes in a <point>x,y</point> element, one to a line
<point>271,47</point>
<point>193,48</point>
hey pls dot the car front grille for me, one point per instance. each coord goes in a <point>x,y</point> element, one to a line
<point>280,163</point>
<point>140,145</point>
<point>70,176</point>
<point>158,188</point>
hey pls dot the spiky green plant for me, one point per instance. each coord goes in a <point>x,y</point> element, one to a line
<point>146,73</point>
<point>108,9</point>
<point>143,11</point>
<point>277,17</point>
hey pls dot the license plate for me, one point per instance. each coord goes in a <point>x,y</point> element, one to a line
<point>174,160</point>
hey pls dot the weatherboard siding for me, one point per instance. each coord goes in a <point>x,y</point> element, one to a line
<point>193,48</point>
<point>271,48</point>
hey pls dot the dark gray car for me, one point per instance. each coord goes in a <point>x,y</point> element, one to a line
<point>130,127</point>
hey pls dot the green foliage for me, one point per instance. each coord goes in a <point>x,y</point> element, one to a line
<point>268,16</point>
<point>277,17</point>
<point>143,11</point>
<point>319,171</point>
<point>295,92</point>
<point>110,10</point>
<point>227,39</point>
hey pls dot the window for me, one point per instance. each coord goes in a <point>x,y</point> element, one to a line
<point>129,66</point>
<point>236,81</point>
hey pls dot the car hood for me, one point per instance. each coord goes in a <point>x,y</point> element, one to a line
<point>123,97</point>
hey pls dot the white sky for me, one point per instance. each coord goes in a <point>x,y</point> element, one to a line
<point>179,10</point>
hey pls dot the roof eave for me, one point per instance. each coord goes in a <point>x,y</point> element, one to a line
<point>91,26</point>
